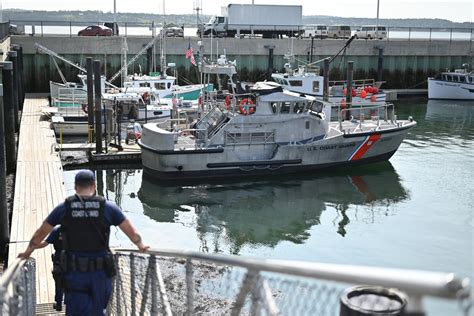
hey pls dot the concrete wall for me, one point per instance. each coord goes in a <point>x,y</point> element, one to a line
<point>251,54</point>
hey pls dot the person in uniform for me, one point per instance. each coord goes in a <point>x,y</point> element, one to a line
<point>86,262</point>
<point>54,238</point>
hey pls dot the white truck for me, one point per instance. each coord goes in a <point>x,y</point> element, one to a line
<point>270,21</point>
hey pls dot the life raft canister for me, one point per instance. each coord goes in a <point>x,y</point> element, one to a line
<point>246,106</point>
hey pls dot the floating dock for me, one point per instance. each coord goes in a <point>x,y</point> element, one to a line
<point>39,186</point>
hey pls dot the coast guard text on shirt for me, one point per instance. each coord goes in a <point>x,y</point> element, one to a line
<point>86,209</point>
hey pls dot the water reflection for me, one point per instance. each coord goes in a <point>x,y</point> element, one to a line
<point>267,212</point>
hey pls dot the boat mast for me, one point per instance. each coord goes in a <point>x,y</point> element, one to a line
<point>162,52</point>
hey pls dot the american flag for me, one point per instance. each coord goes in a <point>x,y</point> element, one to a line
<point>193,61</point>
<point>189,52</point>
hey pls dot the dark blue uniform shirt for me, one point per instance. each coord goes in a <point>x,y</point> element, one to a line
<point>113,217</point>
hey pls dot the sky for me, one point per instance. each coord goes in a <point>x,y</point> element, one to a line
<point>455,10</point>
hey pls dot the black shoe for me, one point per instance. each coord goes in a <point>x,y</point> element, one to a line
<point>58,307</point>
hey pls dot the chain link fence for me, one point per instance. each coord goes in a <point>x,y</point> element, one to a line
<point>17,288</point>
<point>194,283</point>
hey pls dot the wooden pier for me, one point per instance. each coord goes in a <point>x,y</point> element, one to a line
<point>39,186</point>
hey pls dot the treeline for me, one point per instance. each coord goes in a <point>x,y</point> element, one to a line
<point>191,19</point>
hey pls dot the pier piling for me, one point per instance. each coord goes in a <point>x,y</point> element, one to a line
<point>3,181</point>
<point>13,57</point>
<point>326,80</point>
<point>380,65</point>
<point>8,115</point>
<point>90,99</point>
<point>21,82</point>
<point>350,77</point>
<point>98,107</point>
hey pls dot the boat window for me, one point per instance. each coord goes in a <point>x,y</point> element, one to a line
<point>299,107</point>
<point>462,79</point>
<point>315,86</point>
<point>296,83</point>
<point>449,77</point>
<point>285,82</point>
<point>274,106</point>
<point>144,84</point>
<point>169,85</point>
<point>285,107</point>
<point>160,85</point>
<point>317,106</point>
<point>472,79</point>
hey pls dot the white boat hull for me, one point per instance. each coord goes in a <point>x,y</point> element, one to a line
<point>440,89</point>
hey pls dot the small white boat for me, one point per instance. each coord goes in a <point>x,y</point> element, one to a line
<point>456,85</point>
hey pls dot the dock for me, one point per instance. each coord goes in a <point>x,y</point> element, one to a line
<point>39,186</point>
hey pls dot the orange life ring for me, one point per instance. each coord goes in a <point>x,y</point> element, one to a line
<point>227,102</point>
<point>246,106</point>
<point>84,107</point>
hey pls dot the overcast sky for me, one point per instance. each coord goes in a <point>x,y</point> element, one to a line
<point>455,10</point>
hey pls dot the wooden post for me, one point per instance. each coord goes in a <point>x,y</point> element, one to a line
<point>90,100</point>
<point>350,74</point>
<point>8,115</point>
<point>13,57</point>
<point>326,80</point>
<point>3,181</point>
<point>21,76</point>
<point>98,107</point>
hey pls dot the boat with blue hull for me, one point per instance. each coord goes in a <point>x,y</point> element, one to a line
<point>270,131</point>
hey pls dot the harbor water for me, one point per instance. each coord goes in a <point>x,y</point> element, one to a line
<point>414,211</point>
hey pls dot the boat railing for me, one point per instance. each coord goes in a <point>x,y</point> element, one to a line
<point>387,109</point>
<point>18,288</point>
<point>188,283</point>
<point>355,83</point>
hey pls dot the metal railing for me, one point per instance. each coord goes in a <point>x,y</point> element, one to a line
<point>17,288</point>
<point>69,28</point>
<point>186,282</point>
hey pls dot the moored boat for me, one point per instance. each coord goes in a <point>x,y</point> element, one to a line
<point>452,85</point>
<point>267,131</point>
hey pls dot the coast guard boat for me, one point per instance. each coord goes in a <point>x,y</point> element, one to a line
<point>270,131</point>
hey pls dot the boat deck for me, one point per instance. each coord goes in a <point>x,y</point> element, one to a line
<point>39,186</point>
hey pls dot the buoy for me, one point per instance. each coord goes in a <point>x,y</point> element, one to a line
<point>354,92</point>
<point>373,98</point>
<point>363,94</point>
<point>344,91</point>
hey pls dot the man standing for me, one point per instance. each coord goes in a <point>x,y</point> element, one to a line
<point>85,220</point>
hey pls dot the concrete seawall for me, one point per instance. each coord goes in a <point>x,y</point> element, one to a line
<point>252,54</point>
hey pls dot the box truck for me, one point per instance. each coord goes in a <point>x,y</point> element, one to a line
<point>269,21</point>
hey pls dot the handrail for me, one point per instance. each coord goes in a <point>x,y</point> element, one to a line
<point>444,285</point>
<point>9,273</point>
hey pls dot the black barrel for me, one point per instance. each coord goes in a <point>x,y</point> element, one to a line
<point>366,300</point>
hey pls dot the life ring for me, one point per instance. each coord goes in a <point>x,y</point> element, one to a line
<point>246,106</point>
<point>227,102</point>
<point>84,107</point>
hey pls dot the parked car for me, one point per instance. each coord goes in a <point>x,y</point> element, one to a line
<point>339,31</point>
<point>173,30</point>
<point>371,31</point>
<point>113,26</point>
<point>318,31</point>
<point>95,30</point>
<point>15,30</point>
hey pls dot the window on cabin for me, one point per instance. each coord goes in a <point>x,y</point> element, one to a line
<point>296,83</point>
<point>169,85</point>
<point>274,106</point>
<point>317,106</point>
<point>144,84</point>
<point>449,77</point>
<point>160,85</point>
<point>285,107</point>
<point>462,79</point>
<point>315,86</point>
<point>299,107</point>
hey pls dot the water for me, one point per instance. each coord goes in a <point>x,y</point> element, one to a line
<point>413,212</point>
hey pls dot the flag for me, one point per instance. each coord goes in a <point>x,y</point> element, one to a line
<point>193,61</point>
<point>189,52</point>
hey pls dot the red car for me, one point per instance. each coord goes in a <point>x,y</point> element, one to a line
<point>95,30</point>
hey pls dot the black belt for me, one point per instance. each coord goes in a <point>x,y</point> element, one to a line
<point>85,264</point>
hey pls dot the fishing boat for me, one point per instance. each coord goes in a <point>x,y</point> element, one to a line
<point>452,85</point>
<point>269,130</point>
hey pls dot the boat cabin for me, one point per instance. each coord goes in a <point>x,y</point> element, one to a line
<point>458,76</point>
